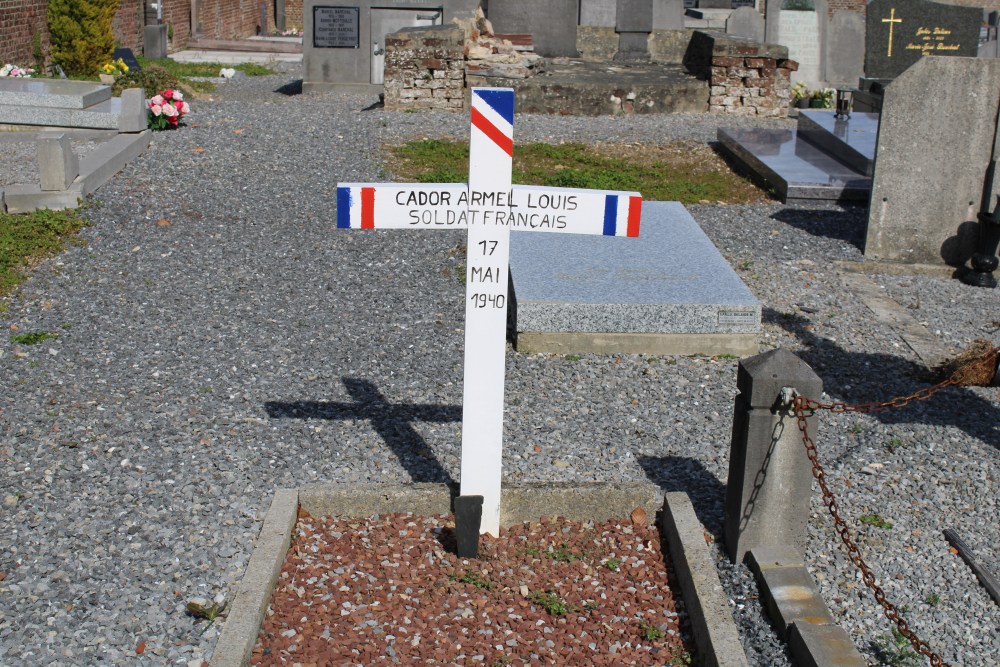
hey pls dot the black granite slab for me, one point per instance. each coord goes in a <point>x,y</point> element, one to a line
<point>851,140</point>
<point>794,169</point>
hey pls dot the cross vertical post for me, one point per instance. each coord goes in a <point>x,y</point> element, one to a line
<point>491,150</point>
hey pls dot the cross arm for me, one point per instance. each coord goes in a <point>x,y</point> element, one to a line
<point>454,206</point>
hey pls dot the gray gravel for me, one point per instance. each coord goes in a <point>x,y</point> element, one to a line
<point>214,304</point>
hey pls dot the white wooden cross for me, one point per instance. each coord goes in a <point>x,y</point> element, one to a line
<point>489,207</point>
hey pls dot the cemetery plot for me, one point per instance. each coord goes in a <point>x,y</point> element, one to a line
<point>363,591</point>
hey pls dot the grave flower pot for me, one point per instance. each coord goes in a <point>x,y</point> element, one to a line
<point>803,103</point>
<point>107,79</point>
<point>817,104</point>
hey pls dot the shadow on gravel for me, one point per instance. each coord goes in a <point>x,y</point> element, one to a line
<point>852,377</point>
<point>391,421</point>
<point>687,475</point>
<point>846,224</point>
<point>291,88</point>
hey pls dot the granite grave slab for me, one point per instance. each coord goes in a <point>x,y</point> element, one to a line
<point>670,292</point>
<point>824,158</point>
<point>850,142</point>
<point>116,113</point>
<point>898,33</point>
<point>52,93</point>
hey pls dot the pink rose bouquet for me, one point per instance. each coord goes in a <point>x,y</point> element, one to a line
<point>167,109</point>
<point>15,71</point>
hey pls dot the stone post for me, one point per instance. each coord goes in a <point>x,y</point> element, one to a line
<point>633,23</point>
<point>770,476</point>
<point>196,32</point>
<point>279,15</point>
<point>154,34</point>
<point>58,165</point>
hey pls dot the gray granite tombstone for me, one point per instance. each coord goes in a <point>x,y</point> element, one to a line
<point>935,141</point>
<point>343,43</point>
<point>845,48</point>
<point>633,22</point>
<point>552,24</point>
<point>599,13</point>
<point>746,22</point>
<point>800,30</point>
<point>900,32</point>
<point>668,14</point>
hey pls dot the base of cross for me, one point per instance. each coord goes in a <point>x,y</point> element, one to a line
<point>468,518</point>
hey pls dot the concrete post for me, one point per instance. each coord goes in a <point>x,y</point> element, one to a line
<point>58,165</point>
<point>770,476</point>
<point>196,32</point>
<point>279,15</point>
<point>633,23</point>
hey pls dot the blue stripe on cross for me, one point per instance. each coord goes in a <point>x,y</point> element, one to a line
<point>488,208</point>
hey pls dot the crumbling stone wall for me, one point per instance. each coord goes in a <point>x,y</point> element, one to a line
<point>425,69</point>
<point>745,78</point>
<point>430,68</point>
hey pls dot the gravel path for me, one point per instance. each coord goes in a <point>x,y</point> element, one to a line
<point>214,300</point>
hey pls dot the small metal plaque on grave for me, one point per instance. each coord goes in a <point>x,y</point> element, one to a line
<point>336,27</point>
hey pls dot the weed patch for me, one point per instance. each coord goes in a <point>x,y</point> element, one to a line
<point>32,338</point>
<point>875,520</point>
<point>26,238</point>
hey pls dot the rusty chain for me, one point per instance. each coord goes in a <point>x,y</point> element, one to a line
<point>803,408</point>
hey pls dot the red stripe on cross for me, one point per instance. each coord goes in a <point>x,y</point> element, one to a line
<point>495,135</point>
<point>367,208</point>
<point>634,213</point>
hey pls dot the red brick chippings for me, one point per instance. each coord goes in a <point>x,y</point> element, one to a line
<point>390,590</point>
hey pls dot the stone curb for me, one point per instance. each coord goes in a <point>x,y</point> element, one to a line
<point>798,611</point>
<point>707,605</point>
<point>247,612</point>
<point>715,632</point>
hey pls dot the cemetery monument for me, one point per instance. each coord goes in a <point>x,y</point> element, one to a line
<point>488,207</point>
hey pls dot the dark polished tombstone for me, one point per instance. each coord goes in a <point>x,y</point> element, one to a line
<point>128,58</point>
<point>900,32</point>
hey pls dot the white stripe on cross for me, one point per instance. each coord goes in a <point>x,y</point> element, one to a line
<point>488,207</point>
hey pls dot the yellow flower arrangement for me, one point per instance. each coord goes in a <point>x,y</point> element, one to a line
<point>115,68</point>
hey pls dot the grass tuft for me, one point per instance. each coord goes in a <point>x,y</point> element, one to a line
<point>688,172</point>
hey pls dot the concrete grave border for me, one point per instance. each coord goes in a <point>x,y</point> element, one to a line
<point>91,172</point>
<point>708,607</point>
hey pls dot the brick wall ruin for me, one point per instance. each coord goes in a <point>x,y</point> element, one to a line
<point>429,68</point>
<point>425,69</point>
<point>745,78</point>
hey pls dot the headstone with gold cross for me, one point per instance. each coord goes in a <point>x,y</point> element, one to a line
<point>487,208</point>
<point>900,32</point>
